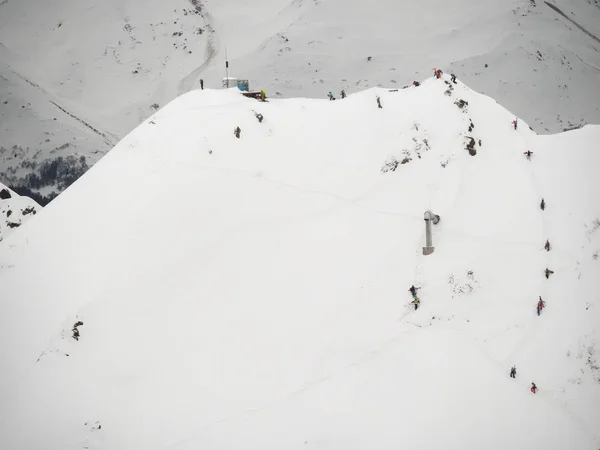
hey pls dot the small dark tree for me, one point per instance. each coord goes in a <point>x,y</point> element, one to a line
<point>379,103</point>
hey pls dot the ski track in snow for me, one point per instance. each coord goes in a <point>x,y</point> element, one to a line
<point>108,137</point>
<point>212,44</point>
<point>559,11</point>
<point>366,358</point>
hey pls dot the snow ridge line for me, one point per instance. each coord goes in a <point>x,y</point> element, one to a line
<point>107,140</point>
<point>591,66</point>
<point>99,133</point>
<point>559,11</point>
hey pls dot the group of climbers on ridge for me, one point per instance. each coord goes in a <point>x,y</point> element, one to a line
<point>541,304</point>
<point>437,73</point>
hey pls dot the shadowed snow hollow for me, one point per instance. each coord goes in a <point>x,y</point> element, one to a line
<point>206,291</point>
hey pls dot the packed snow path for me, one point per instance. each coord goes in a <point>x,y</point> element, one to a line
<point>252,292</point>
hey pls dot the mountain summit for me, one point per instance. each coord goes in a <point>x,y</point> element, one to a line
<point>235,274</point>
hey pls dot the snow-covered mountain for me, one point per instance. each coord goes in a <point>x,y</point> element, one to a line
<point>14,210</point>
<point>206,291</point>
<point>78,76</point>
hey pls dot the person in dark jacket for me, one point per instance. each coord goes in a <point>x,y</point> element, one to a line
<point>343,94</point>
<point>528,154</point>
<point>547,245</point>
<point>513,372</point>
<point>548,272</point>
<point>201,84</point>
<point>533,388</point>
<point>543,205</point>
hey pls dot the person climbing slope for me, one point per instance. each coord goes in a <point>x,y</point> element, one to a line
<point>513,372</point>
<point>514,122</point>
<point>330,95</point>
<point>548,272</point>
<point>416,302</point>
<point>547,245</point>
<point>543,204</point>
<point>528,154</point>
<point>343,94</point>
<point>541,305</point>
<point>533,388</point>
<point>413,290</point>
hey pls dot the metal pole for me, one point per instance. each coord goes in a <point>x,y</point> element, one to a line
<point>429,217</point>
<point>226,68</point>
<point>428,242</point>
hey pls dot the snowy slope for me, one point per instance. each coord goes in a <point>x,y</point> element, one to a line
<point>77,77</point>
<point>252,292</point>
<point>14,210</point>
<point>102,68</point>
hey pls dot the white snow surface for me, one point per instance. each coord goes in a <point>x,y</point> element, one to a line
<point>78,76</point>
<point>14,211</point>
<point>253,293</point>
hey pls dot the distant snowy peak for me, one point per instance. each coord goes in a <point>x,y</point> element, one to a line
<point>14,210</point>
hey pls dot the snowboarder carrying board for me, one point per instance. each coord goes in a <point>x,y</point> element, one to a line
<point>416,302</point>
